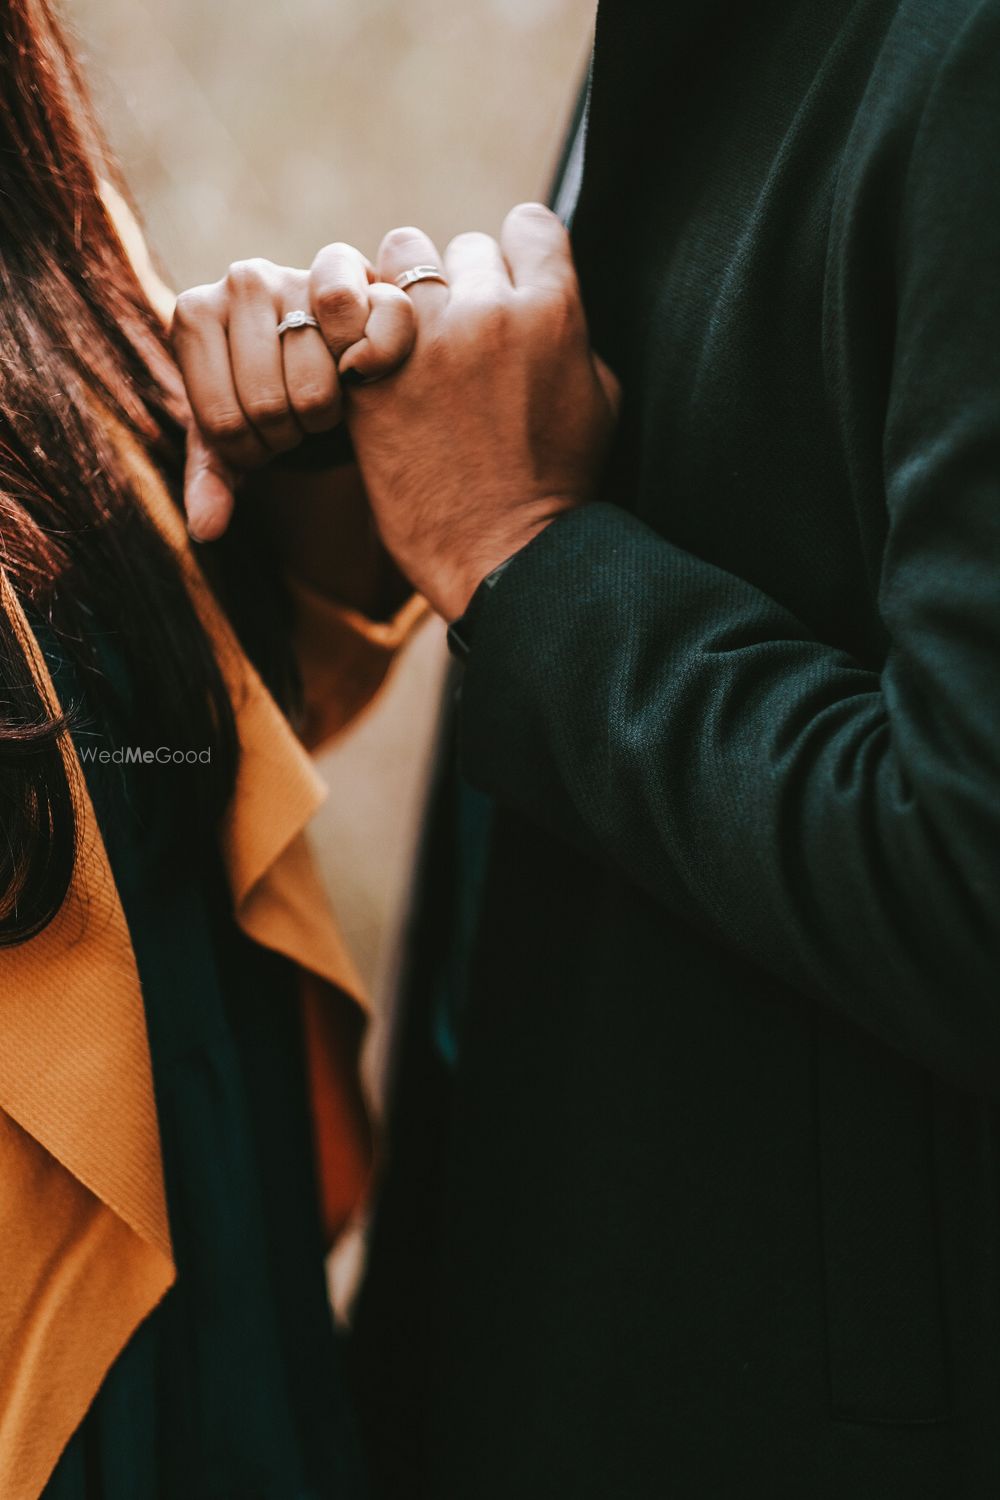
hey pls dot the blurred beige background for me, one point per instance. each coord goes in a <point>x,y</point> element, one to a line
<point>267,128</point>
<point>271,128</point>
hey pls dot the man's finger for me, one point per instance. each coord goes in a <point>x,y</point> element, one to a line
<point>209,490</point>
<point>537,249</point>
<point>404,250</point>
<point>474,263</point>
<point>389,335</point>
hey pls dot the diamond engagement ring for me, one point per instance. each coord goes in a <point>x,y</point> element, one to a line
<point>297,319</point>
<point>420,273</point>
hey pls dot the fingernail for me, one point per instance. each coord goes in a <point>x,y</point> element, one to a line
<point>194,531</point>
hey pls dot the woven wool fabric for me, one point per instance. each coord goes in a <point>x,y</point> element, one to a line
<point>709,1206</point>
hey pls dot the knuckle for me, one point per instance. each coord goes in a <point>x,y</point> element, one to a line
<point>193,306</point>
<point>268,409</point>
<point>313,399</point>
<point>401,238</point>
<point>338,303</point>
<point>470,239</point>
<point>222,424</point>
<point>340,250</point>
<point>332,260</point>
<point>246,278</point>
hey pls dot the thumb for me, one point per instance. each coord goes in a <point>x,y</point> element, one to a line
<point>209,490</point>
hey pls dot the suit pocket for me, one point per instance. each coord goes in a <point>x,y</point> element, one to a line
<point>887,1347</point>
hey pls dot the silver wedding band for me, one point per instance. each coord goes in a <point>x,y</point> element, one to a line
<point>297,319</point>
<point>420,273</point>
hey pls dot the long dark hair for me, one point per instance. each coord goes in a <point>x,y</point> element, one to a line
<point>79,340</point>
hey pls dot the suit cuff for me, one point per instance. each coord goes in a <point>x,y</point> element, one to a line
<point>529,642</point>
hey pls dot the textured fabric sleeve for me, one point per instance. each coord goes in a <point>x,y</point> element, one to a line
<point>839,827</point>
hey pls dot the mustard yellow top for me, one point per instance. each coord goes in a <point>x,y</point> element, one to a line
<point>85,1250</point>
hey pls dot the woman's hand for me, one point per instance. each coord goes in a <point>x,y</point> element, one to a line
<point>255,394</point>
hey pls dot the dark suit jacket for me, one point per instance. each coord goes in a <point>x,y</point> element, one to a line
<point>712,1207</point>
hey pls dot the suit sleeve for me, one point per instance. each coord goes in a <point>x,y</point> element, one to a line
<point>837,826</point>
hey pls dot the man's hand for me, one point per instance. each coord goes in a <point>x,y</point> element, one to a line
<point>501,418</point>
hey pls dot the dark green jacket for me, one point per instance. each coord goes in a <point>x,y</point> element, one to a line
<point>713,1207</point>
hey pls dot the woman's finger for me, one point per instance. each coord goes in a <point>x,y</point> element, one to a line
<point>311,381</point>
<point>201,345</point>
<point>405,250</point>
<point>338,293</point>
<point>209,490</point>
<point>255,309</point>
<point>388,338</point>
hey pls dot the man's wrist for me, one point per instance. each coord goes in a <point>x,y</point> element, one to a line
<point>461,631</point>
<point>462,628</point>
<point>456,598</point>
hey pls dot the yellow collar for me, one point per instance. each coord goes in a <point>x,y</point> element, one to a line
<point>84,1239</point>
